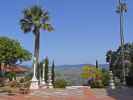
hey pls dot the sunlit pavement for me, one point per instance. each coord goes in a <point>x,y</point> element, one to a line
<point>83,93</point>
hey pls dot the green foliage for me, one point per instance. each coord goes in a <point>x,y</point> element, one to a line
<point>115,60</point>
<point>97,84</point>
<point>11,52</point>
<point>21,80</point>
<point>97,64</point>
<point>96,78</point>
<point>91,72</point>
<point>11,76</point>
<point>46,61</point>
<point>105,77</point>
<point>14,84</point>
<point>25,82</point>
<point>40,68</point>
<point>34,19</point>
<point>53,72</point>
<point>60,83</point>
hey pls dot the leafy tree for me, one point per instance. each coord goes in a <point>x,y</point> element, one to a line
<point>53,72</point>
<point>94,76</point>
<point>34,20</point>
<point>89,72</point>
<point>11,52</point>
<point>105,77</point>
<point>114,58</point>
<point>97,78</point>
<point>46,61</point>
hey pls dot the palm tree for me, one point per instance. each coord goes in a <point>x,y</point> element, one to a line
<point>34,20</point>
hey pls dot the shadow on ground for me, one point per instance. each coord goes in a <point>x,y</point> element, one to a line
<point>125,93</point>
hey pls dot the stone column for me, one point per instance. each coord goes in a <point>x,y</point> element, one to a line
<point>34,81</point>
<point>111,82</point>
<point>43,83</point>
<point>50,85</point>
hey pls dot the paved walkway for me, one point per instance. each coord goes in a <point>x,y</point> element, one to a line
<point>124,93</point>
<point>83,93</point>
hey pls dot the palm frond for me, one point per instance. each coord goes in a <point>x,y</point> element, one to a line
<point>35,17</point>
<point>26,26</point>
<point>47,27</point>
<point>36,12</point>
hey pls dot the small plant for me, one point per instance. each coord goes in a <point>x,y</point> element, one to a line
<point>14,84</point>
<point>60,83</point>
<point>21,80</point>
<point>105,77</point>
<point>11,75</point>
<point>97,84</point>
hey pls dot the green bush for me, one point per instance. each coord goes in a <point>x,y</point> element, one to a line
<point>97,84</point>
<point>21,80</point>
<point>105,77</point>
<point>60,83</point>
<point>14,84</point>
<point>25,82</point>
<point>11,76</point>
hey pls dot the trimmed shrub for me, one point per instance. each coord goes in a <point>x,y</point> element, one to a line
<point>14,84</point>
<point>105,77</point>
<point>96,84</point>
<point>11,76</point>
<point>60,83</point>
<point>21,80</point>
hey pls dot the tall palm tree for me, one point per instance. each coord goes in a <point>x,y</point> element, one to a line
<point>34,20</point>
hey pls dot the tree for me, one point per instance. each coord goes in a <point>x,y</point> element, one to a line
<point>114,58</point>
<point>95,77</point>
<point>53,73</point>
<point>89,72</point>
<point>46,61</point>
<point>34,19</point>
<point>11,52</point>
<point>97,64</point>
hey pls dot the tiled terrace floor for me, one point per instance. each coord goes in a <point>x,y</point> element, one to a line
<point>58,94</point>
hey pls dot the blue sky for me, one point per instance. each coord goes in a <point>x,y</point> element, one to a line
<point>84,29</point>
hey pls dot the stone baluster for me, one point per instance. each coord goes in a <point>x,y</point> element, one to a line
<point>34,81</point>
<point>50,85</point>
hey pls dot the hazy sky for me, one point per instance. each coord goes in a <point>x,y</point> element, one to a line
<point>84,29</point>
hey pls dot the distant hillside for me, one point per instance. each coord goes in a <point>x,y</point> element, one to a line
<point>106,66</point>
<point>72,73</point>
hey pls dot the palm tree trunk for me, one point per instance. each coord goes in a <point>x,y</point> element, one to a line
<point>36,51</point>
<point>37,46</point>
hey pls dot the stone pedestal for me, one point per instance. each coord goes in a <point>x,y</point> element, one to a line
<point>43,83</point>
<point>34,84</point>
<point>50,85</point>
<point>34,81</point>
<point>111,82</point>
